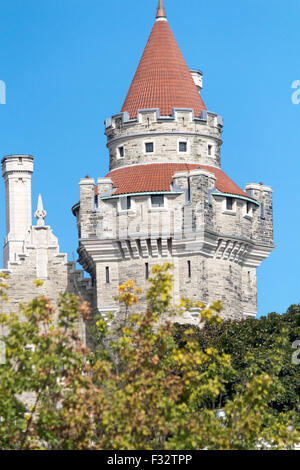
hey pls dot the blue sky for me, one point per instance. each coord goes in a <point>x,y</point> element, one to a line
<point>68,64</point>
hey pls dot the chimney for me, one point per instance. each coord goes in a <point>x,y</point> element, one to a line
<point>198,78</point>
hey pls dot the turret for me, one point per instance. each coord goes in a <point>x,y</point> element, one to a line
<point>180,138</point>
<point>166,197</point>
<point>17,171</point>
<point>163,118</point>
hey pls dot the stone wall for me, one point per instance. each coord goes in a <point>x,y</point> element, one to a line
<point>203,138</point>
<point>221,248</point>
<point>58,275</point>
<point>262,228</point>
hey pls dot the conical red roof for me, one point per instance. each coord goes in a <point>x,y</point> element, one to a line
<point>162,79</point>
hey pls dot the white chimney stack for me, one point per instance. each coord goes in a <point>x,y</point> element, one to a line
<point>198,78</point>
<point>17,171</point>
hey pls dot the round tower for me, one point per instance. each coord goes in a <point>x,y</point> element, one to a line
<point>16,171</point>
<point>163,118</point>
<point>166,198</point>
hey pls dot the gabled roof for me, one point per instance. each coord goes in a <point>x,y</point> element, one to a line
<point>162,79</point>
<point>157,177</point>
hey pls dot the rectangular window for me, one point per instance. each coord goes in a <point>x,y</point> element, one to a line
<point>121,152</point>
<point>146,270</point>
<point>125,203</point>
<point>107,275</point>
<point>149,147</point>
<point>158,200</point>
<point>262,210</point>
<point>209,149</point>
<point>248,207</point>
<point>183,147</point>
<point>188,193</point>
<point>229,203</point>
<point>189,269</point>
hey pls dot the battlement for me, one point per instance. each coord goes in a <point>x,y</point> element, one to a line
<point>165,199</point>
<point>192,204</point>
<point>181,137</point>
<point>12,164</point>
<point>146,117</point>
<point>215,240</point>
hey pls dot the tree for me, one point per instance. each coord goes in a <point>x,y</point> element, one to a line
<point>256,341</point>
<point>138,389</point>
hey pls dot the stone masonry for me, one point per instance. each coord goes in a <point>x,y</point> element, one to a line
<point>214,234</point>
<point>165,199</point>
<point>32,252</point>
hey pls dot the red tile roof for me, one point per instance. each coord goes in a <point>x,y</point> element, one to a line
<point>224,183</point>
<point>157,177</point>
<point>162,79</point>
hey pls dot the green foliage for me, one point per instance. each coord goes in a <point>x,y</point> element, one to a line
<point>255,342</point>
<point>3,287</point>
<point>140,388</point>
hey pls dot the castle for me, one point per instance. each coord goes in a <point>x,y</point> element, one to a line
<point>164,199</point>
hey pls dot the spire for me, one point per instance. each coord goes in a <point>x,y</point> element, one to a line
<point>40,213</point>
<point>162,79</point>
<point>161,13</point>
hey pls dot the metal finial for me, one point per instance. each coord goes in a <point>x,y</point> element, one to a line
<point>161,12</point>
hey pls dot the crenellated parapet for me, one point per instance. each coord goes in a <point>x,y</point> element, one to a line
<point>215,240</point>
<point>166,198</point>
<point>181,137</point>
<point>192,204</point>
